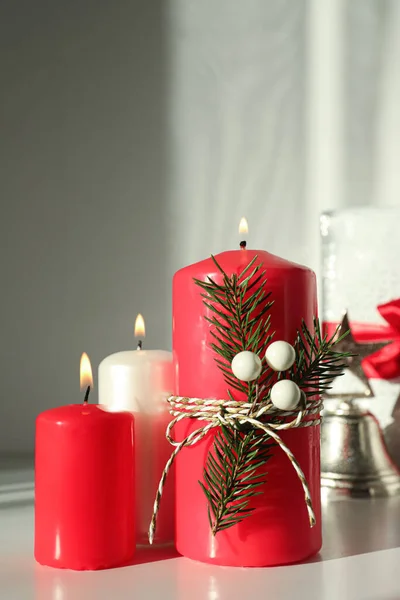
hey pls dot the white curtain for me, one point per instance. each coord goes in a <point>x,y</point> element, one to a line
<point>238,126</point>
<point>387,167</point>
<point>279,109</point>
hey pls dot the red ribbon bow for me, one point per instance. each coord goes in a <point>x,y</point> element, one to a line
<point>385,363</point>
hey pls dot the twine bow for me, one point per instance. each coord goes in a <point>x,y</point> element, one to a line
<point>231,414</point>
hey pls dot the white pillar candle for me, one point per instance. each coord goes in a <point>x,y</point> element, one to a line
<point>140,381</point>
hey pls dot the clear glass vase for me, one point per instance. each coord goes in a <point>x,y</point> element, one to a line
<point>361,275</point>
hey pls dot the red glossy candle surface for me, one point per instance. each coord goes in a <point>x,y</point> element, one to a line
<point>278,531</point>
<point>84,487</point>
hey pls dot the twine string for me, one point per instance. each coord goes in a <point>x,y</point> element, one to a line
<point>229,413</point>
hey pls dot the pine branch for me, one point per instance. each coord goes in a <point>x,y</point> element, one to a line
<point>238,314</point>
<point>232,476</point>
<point>239,318</point>
<point>318,363</point>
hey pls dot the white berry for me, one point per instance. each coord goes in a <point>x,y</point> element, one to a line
<point>246,366</point>
<point>285,394</point>
<point>280,356</point>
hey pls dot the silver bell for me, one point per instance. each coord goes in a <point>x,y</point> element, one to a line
<point>354,458</point>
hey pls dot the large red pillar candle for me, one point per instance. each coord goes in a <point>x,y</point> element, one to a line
<point>84,487</point>
<point>278,530</point>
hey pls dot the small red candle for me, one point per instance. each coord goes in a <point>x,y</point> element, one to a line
<point>278,531</point>
<point>84,485</point>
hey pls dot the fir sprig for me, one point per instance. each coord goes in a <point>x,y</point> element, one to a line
<point>232,476</point>
<point>239,318</point>
<point>238,314</point>
<point>317,363</point>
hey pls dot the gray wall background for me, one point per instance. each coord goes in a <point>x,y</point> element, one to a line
<point>136,133</point>
<point>82,227</point>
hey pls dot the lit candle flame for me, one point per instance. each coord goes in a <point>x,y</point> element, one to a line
<point>243,225</point>
<point>140,330</point>
<point>86,372</point>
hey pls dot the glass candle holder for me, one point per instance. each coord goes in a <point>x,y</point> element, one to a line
<point>361,275</point>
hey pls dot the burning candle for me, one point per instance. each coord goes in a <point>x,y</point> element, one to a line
<point>140,381</point>
<point>278,531</point>
<point>84,485</point>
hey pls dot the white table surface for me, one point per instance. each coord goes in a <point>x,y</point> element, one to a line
<point>360,560</point>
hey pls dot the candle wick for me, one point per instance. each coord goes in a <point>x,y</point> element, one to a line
<point>86,398</point>
<point>139,345</point>
<point>243,245</point>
